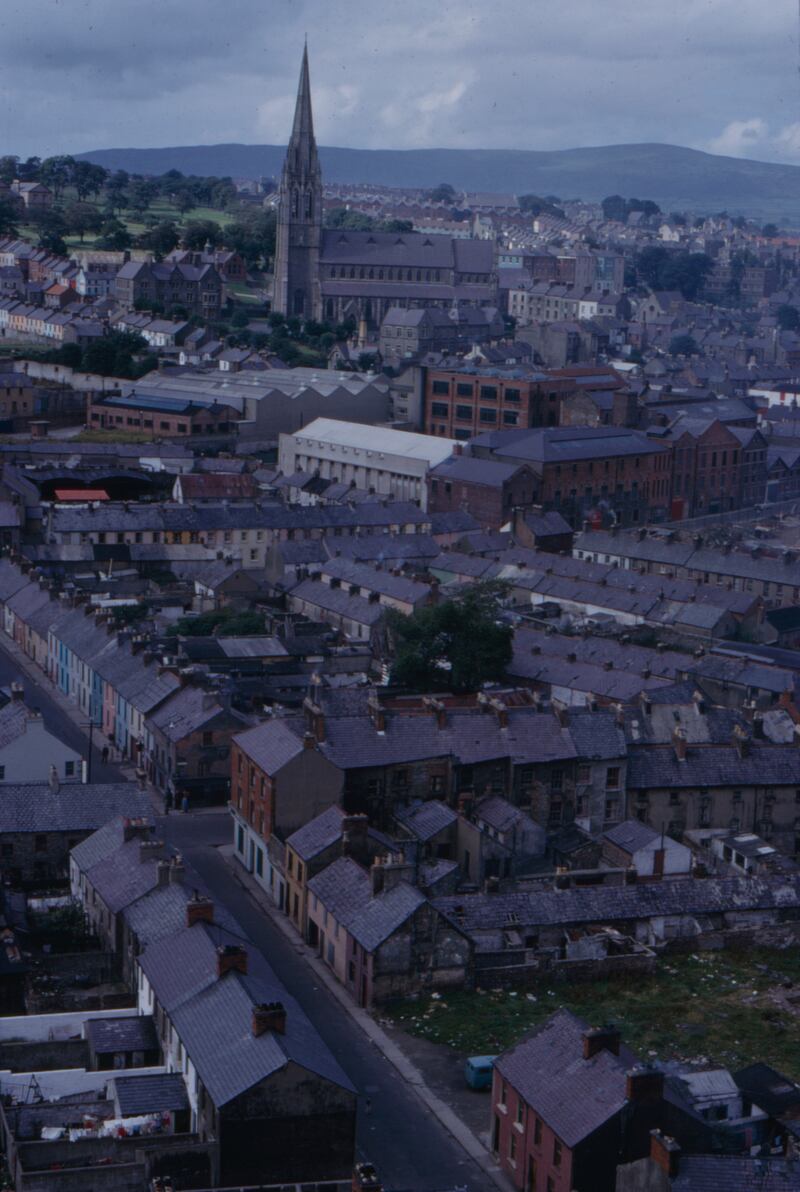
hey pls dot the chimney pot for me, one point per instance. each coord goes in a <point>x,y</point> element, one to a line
<point>199,910</point>
<point>601,1038</point>
<point>269,1016</point>
<point>231,958</point>
<point>665,1152</point>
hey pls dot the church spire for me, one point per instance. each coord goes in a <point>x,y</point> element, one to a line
<point>302,146</point>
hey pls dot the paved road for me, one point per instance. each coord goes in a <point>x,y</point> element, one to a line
<point>55,718</point>
<point>409,1147</point>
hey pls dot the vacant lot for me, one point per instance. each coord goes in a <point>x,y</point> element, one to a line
<point>728,1008</point>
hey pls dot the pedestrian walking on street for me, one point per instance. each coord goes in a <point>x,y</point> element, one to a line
<point>104,754</point>
<point>185,804</point>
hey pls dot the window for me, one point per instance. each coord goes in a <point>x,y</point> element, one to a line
<point>488,392</point>
<point>40,843</point>
<point>512,395</point>
<point>464,413</point>
<point>463,390</point>
<point>440,387</point>
<point>556,1152</point>
<point>488,415</point>
<point>503,1094</point>
<point>7,850</point>
<point>69,769</point>
<point>208,739</point>
<point>520,1111</point>
<point>510,417</point>
<point>537,1131</point>
<point>512,1147</point>
<point>584,774</point>
<point>440,409</point>
<point>612,778</point>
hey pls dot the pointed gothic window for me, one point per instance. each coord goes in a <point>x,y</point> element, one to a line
<point>295,203</point>
<point>309,205</point>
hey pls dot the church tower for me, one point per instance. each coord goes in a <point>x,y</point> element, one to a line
<point>296,288</point>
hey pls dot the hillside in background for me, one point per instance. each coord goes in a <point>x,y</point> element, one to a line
<point>676,178</point>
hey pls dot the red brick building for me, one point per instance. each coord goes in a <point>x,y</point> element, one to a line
<point>490,491</point>
<point>160,416</point>
<point>716,467</point>
<point>462,404</point>
<point>569,1103</point>
<point>600,474</point>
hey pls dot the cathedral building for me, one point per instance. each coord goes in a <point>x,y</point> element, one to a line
<point>333,273</point>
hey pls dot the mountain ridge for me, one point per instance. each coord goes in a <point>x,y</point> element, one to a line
<point>675,176</point>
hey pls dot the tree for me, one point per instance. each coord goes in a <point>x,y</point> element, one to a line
<point>252,234</point>
<point>8,168</point>
<point>683,345</point>
<point>141,194</point>
<point>395,225</point>
<point>52,229</point>
<point>240,319</point>
<point>113,354</point>
<point>160,239</point>
<point>344,217</point>
<point>534,205</point>
<point>615,208</point>
<point>82,218</point>
<point>87,178</point>
<point>457,645</point>
<point>9,217</point>
<point>183,199</point>
<point>114,236</point>
<point>770,231</point>
<point>443,193</point>
<point>199,232</point>
<point>788,317</point>
<point>116,187</point>
<point>56,172</point>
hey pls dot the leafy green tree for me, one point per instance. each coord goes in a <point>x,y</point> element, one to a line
<point>9,217</point>
<point>615,208</point>
<point>28,170</point>
<point>534,205</point>
<point>113,355</point>
<point>218,623</point>
<point>52,228</point>
<point>343,217</point>
<point>116,190</point>
<point>88,178</point>
<point>114,236</point>
<point>240,318</point>
<point>395,225</point>
<point>160,239</point>
<point>141,194</point>
<point>8,168</point>
<point>82,218</point>
<point>770,231</point>
<point>457,645</point>
<point>56,172</point>
<point>252,234</point>
<point>183,199</point>
<point>70,354</point>
<point>199,232</point>
<point>788,317</point>
<point>683,345</point>
<point>443,193</point>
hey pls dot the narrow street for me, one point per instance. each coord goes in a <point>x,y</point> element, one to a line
<point>55,719</point>
<point>407,1144</point>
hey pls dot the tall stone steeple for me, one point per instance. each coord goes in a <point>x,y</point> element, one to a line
<point>296,289</point>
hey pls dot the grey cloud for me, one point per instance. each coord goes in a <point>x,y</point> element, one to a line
<point>81,74</point>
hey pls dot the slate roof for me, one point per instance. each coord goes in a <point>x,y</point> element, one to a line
<point>76,807</point>
<point>135,1032</point>
<point>472,470</point>
<point>713,765</point>
<point>102,843</point>
<point>719,1173</point>
<point>339,601</point>
<point>164,1092</point>
<point>345,890</point>
<point>489,912</point>
<point>184,712</point>
<point>773,1092</point>
<point>13,722</point>
<point>631,835</point>
<point>573,1096</point>
<point>270,744</point>
<point>426,820</point>
<point>213,1015</point>
<point>564,444</point>
<point>318,834</point>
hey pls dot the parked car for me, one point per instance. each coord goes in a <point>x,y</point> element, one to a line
<point>478,1071</point>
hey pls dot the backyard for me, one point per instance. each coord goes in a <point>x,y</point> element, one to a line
<point>728,1008</point>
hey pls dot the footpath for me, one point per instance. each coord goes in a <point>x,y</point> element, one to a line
<point>405,1068</point>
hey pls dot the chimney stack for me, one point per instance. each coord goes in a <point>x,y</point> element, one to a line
<point>665,1152</point>
<point>377,714</point>
<point>644,1084</point>
<point>135,827</point>
<point>162,871</point>
<point>365,1179</point>
<point>315,719</point>
<point>376,877</point>
<point>54,783</point>
<point>679,743</point>
<point>601,1038</point>
<point>354,835</point>
<point>177,870</point>
<point>17,691</point>
<point>269,1016</point>
<point>231,958</point>
<point>741,740</point>
<point>151,850</point>
<point>199,910</point>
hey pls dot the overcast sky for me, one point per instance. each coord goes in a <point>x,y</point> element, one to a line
<point>523,74</point>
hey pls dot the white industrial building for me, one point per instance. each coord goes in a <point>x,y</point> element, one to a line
<point>394,462</point>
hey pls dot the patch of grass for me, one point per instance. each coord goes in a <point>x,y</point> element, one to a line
<point>729,1008</point>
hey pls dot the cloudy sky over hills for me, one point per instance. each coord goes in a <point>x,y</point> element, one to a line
<point>527,74</point>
